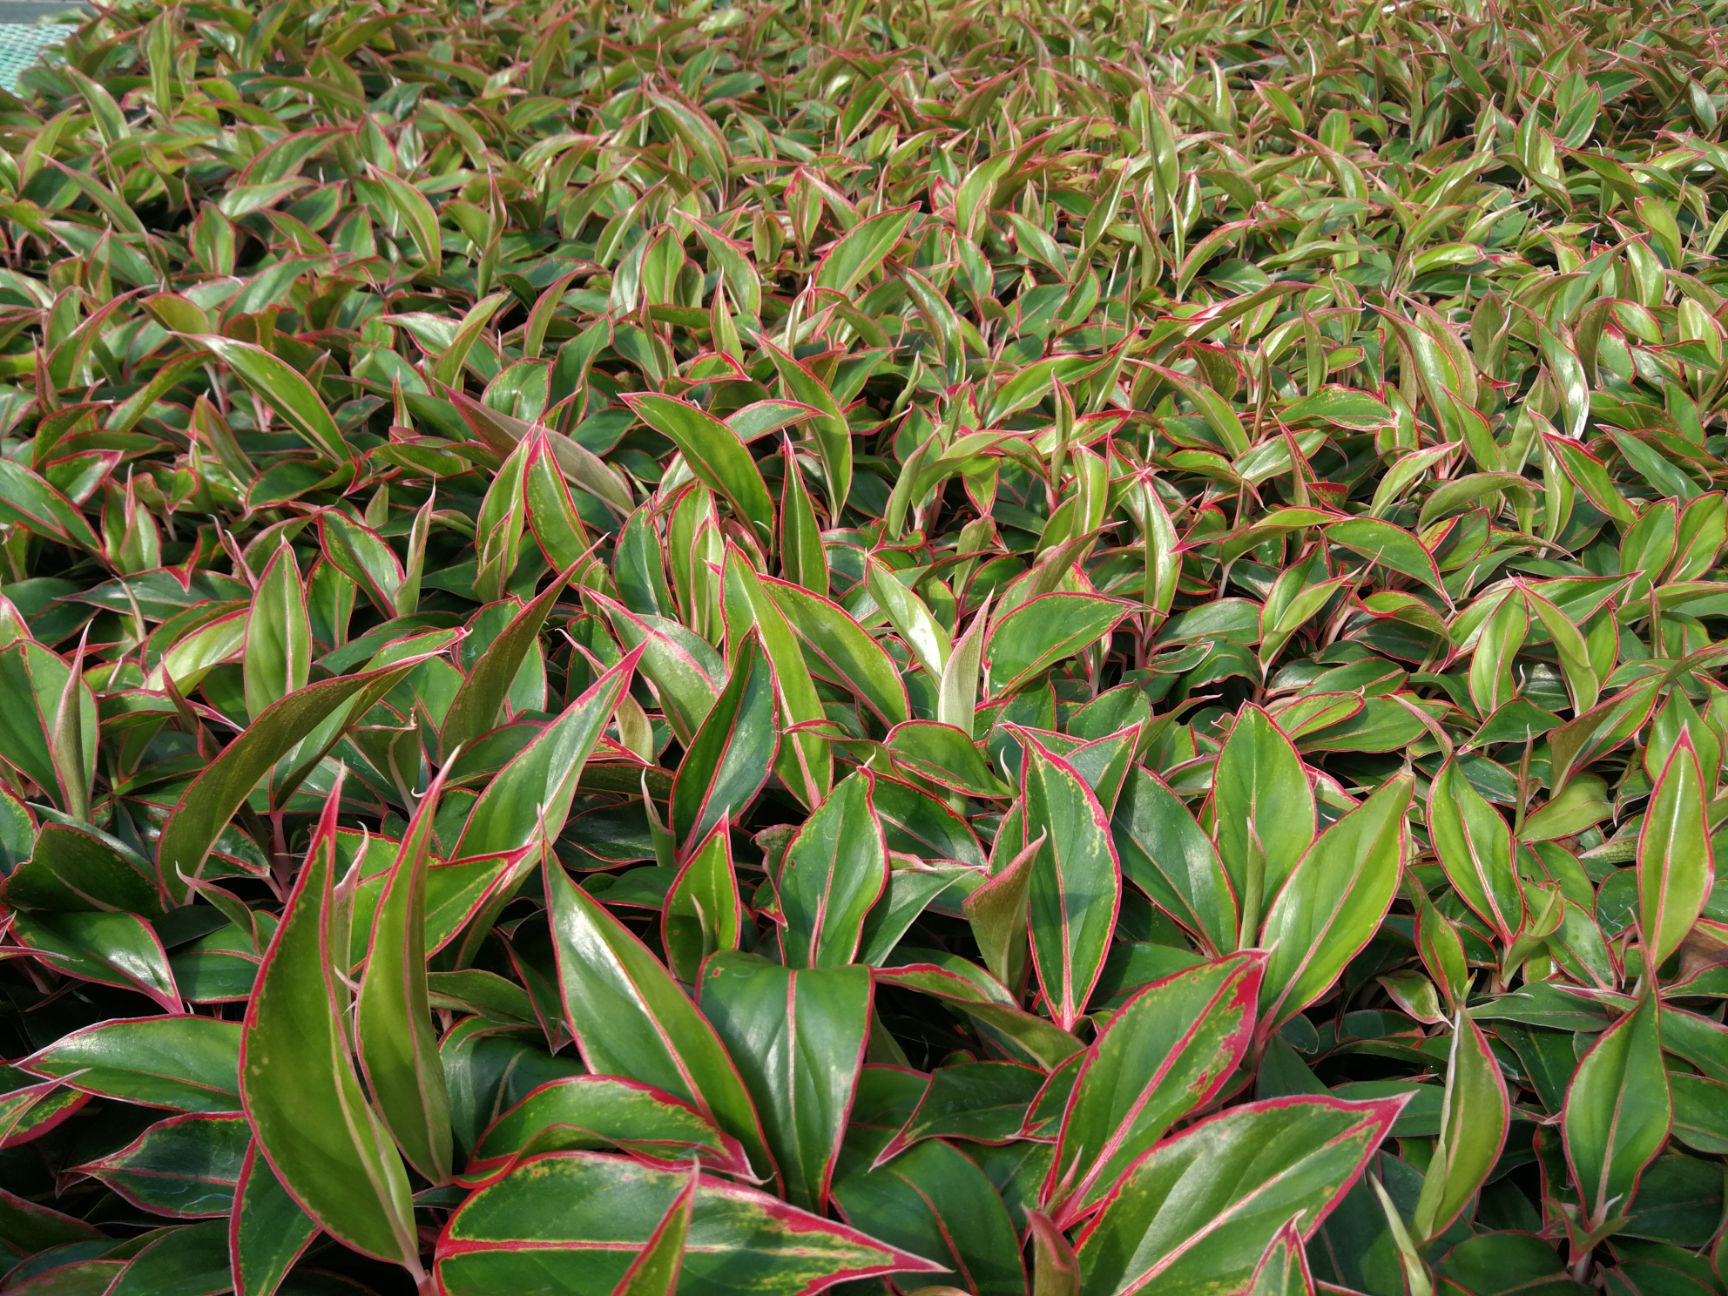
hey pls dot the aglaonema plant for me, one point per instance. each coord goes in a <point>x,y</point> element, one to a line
<point>915,648</point>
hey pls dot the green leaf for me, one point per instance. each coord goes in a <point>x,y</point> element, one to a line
<point>986,1102</point>
<point>842,651</point>
<point>191,1260</point>
<point>1334,902</point>
<point>551,513</point>
<point>574,1223</point>
<point>913,891</point>
<point>715,455</point>
<point>917,823</point>
<point>1196,1214</point>
<point>278,656</point>
<point>395,1037</point>
<point>630,1018</point>
<point>578,464</point>
<point>1583,681</point>
<point>1296,603</point>
<point>1164,853</point>
<point>268,1231</point>
<point>1264,811</point>
<point>1167,1052</point>
<point>803,556</point>
<point>75,867</point>
<point>1600,730</point>
<point>28,501</point>
<point>185,1167</point>
<point>909,1202</point>
<point>975,994</point>
<point>682,667</point>
<point>1617,1114</point>
<point>112,949</point>
<point>862,250</point>
<point>1476,850</point>
<point>1027,641</point>
<point>77,1278</point>
<point>181,1063</point>
<point>190,661</point>
<point>1389,546</point>
<point>520,813</point>
<point>703,913</point>
<point>1497,645</point>
<point>804,763</point>
<point>1590,476</point>
<point>1700,1112</point>
<point>477,704</point>
<point>835,871</point>
<point>33,1110</point>
<point>1225,423</point>
<point>321,1137</point>
<point>364,557</point>
<point>598,1113</point>
<point>1283,1269</point>
<point>1567,371</point>
<point>411,208</point>
<point>957,690</point>
<point>1359,410</point>
<point>832,433</point>
<point>1055,1268</point>
<point>922,634</point>
<point>797,1037</point>
<point>226,783</point>
<point>1676,868</point>
<point>282,387</point>
<point>1473,1125</point>
<point>27,1226</point>
<point>37,733</point>
<point>728,760</point>
<point>945,755</point>
<point>656,1271</point>
<point>1075,887</point>
<point>996,912</point>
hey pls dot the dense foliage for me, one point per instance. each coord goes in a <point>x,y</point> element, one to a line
<point>1047,648</point>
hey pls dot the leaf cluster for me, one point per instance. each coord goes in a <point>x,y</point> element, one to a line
<point>1037,650</point>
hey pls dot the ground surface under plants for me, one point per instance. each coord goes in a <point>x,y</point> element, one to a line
<point>1021,648</point>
